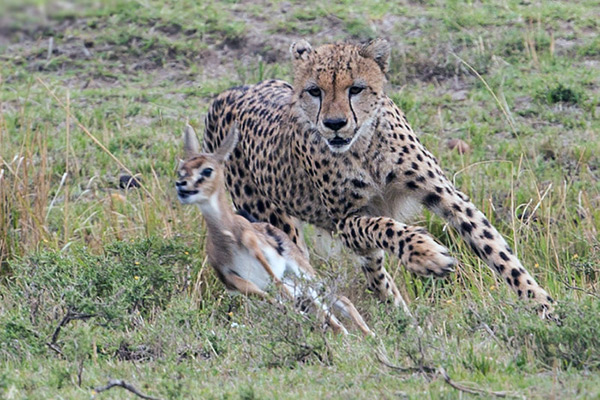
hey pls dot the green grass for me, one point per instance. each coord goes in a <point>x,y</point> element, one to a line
<point>129,266</point>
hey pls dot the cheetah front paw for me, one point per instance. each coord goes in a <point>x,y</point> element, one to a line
<point>546,310</point>
<point>423,256</point>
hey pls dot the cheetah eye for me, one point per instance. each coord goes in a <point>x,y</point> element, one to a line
<point>356,90</point>
<point>314,91</point>
<point>207,172</point>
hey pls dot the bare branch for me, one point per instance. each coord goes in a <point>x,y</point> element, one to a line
<point>127,386</point>
<point>588,292</point>
<point>55,348</point>
<point>80,372</point>
<point>486,326</point>
<point>422,369</point>
<point>440,371</point>
<point>69,316</point>
<point>466,389</point>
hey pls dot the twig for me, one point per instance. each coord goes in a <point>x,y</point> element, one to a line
<point>467,389</point>
<point>69,316</point>
<point>55,348</point>
<point>384,360</point>
<point>127,386</point>
<point>485,326</point>
<point>588,292</point>
<point>440,371</point>
<point>80,372</point>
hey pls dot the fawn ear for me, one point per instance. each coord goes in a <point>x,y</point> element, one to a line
<point>228,144</point>
<point>378,50</point>
<point>190,141</point>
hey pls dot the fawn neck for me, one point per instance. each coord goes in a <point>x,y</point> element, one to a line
<point>217,212</point>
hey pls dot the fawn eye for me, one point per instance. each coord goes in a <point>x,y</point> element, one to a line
<point>314,91</point>
<point>356,90</point>
<point>207,172</point>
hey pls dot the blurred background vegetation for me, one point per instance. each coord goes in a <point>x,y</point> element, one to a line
<point>93,91</point>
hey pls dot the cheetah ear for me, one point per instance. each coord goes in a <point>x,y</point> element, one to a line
<point>300,50</point>
<point>190,141</point>
<point>378,50</point>
<point>228,144</point>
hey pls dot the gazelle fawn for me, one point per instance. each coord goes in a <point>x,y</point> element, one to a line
<point>249,256</point>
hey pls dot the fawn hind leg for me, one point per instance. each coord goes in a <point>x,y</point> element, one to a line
<point>345,306</point>
<point>308,298</point>
<point>245,287</point>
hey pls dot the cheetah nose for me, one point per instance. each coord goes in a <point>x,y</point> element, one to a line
<point>335,124</point>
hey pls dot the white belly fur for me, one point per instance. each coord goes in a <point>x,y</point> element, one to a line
<point>248,267</point>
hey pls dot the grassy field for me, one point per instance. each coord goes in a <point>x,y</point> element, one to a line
<point>101,282</point>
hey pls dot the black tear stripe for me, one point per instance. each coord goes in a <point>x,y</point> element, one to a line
<point>334,83</point>
<point>319,112</point>
<point>352,110</point>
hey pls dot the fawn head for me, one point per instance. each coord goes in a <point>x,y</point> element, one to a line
<point>200,176</point>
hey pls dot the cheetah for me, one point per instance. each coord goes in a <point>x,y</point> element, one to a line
<point>248,255</point>
<point>333,150</point>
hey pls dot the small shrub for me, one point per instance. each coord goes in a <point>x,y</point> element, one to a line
<point>574,342</point>
<point>127,284</point>
<point>563,94</point>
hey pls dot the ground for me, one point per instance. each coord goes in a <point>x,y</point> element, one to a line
<point>101,282</point>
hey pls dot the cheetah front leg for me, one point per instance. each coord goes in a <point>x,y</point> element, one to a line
<point>485,241</point>
<point>379,280</point>
<point>417,251</point>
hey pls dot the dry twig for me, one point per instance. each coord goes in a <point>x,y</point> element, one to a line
<point>422,369</point>
<point>127,386</point>
<point>440,371</point>
<point>467,389</point>
<point>69,316</point>
<point>485,326</point>
<point>588,292</point>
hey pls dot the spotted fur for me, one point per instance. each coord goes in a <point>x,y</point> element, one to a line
<point>334,151</point>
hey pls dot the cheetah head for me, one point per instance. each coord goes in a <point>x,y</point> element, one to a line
<point>338,88</point>
<point>200,176</point>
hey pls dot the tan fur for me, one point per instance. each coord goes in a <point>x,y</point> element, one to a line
<point>248,256</point>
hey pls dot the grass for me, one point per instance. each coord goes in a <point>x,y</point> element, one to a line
<point>127,267</point>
